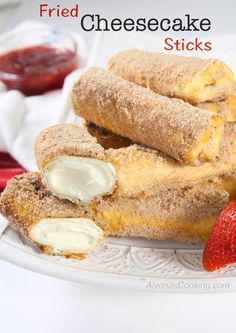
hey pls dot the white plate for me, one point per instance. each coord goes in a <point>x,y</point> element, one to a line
<point>125,263</point>
<point>128,263</point>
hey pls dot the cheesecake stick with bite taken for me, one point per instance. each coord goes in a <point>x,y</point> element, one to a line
<point>192,79</point>
<point>140,172</point>
<point>190,135</point>
<point>73,164</point>
<point>57,226</point>
<point>60,227</point>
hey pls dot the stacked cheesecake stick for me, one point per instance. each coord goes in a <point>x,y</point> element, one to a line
<point>203,83</point>
<point>144,165</point>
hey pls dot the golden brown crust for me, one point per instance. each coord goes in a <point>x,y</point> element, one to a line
<point>190,78</point>
<point>133,181</point>
<point>185,215</point>
<point>198,235</point>
<point>143,172</point>
<point>195,203</point>
<point>170,125</point>
<point>66,139</point>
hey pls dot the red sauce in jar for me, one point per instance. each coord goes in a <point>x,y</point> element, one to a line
<point>37,69</point>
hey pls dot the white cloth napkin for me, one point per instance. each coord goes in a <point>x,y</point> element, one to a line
<point>22,118</point>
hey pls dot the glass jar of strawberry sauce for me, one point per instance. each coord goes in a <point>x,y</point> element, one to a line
<point>37,61</point>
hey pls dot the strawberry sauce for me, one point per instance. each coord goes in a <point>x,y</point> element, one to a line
<point>37,69</point>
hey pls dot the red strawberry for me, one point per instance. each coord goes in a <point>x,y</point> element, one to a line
<point>220,250</point>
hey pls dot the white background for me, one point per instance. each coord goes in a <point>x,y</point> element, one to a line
<point>30,302</point>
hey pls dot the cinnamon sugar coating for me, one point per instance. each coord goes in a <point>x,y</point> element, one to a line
<point>169,125</point>
<point>182,215</point>
<point>192,79</point>
<point>143,172</point>
<point>185,215</point>
<point>193,203</point>
<point>66,139</point>
<point>26,201</point>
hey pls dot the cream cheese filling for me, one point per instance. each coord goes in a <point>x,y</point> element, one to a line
<point>67,235</point>
<point>79,178</point>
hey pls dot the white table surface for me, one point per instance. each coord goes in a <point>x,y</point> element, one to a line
<point>31,302</point>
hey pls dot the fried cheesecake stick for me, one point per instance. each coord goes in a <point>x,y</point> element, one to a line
<point>224,104</point>
<point>192,79</point>
<point>57,226</point>
<point>226,108</point>
<point>73,164</point>
<point>186,133</point>
<point>140,172</point>
<point>184,215</point>
<point>63,228</point>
